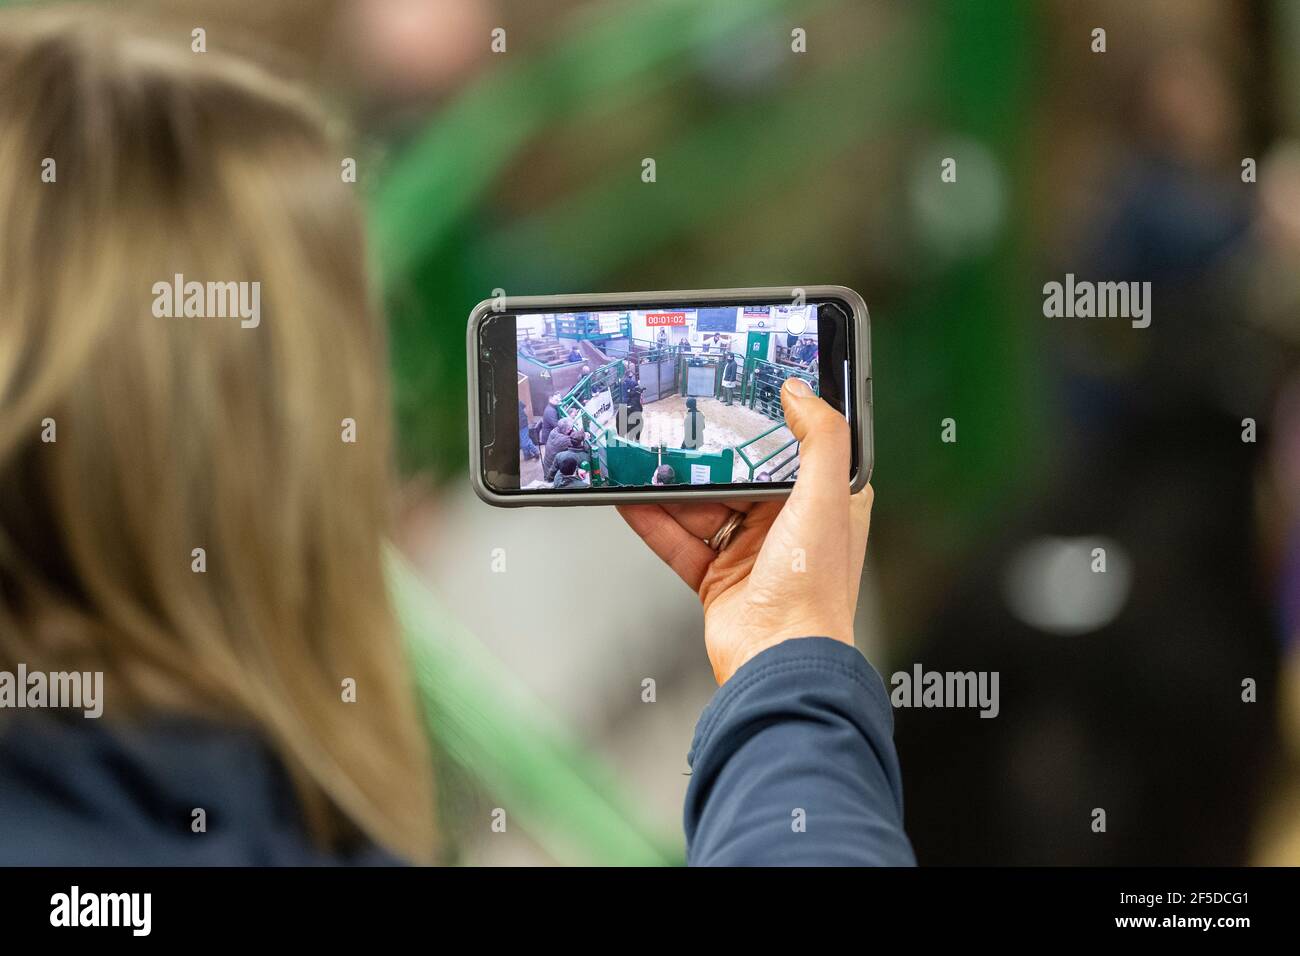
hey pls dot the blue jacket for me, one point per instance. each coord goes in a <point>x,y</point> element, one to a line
<point>794,764</point>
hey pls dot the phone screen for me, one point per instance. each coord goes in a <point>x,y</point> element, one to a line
<point>665,395</point>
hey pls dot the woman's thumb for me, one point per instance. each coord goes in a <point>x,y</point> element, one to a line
<point>823,435</point>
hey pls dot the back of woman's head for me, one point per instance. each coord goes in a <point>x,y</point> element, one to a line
<point>195,503</point>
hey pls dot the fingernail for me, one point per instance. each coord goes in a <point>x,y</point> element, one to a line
<point>798,387</point>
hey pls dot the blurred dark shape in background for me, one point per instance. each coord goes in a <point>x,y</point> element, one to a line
<point>1140,713</point>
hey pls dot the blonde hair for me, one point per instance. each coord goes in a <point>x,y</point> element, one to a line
<point>174,434</point>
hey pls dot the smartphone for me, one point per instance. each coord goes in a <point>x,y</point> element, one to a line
<point>658,396</point>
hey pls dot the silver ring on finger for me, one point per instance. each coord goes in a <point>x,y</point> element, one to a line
<point>722,537</point>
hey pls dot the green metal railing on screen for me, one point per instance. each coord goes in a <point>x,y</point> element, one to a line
<point>606,377</point>
<point>575,401</point>
<point>651,351</point>
<point>761,388</point>
<point>754,466</point>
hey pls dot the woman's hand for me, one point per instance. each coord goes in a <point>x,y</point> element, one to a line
<point>793,568</point>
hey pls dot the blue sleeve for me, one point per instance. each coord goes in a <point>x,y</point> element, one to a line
<point>793,764</point>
